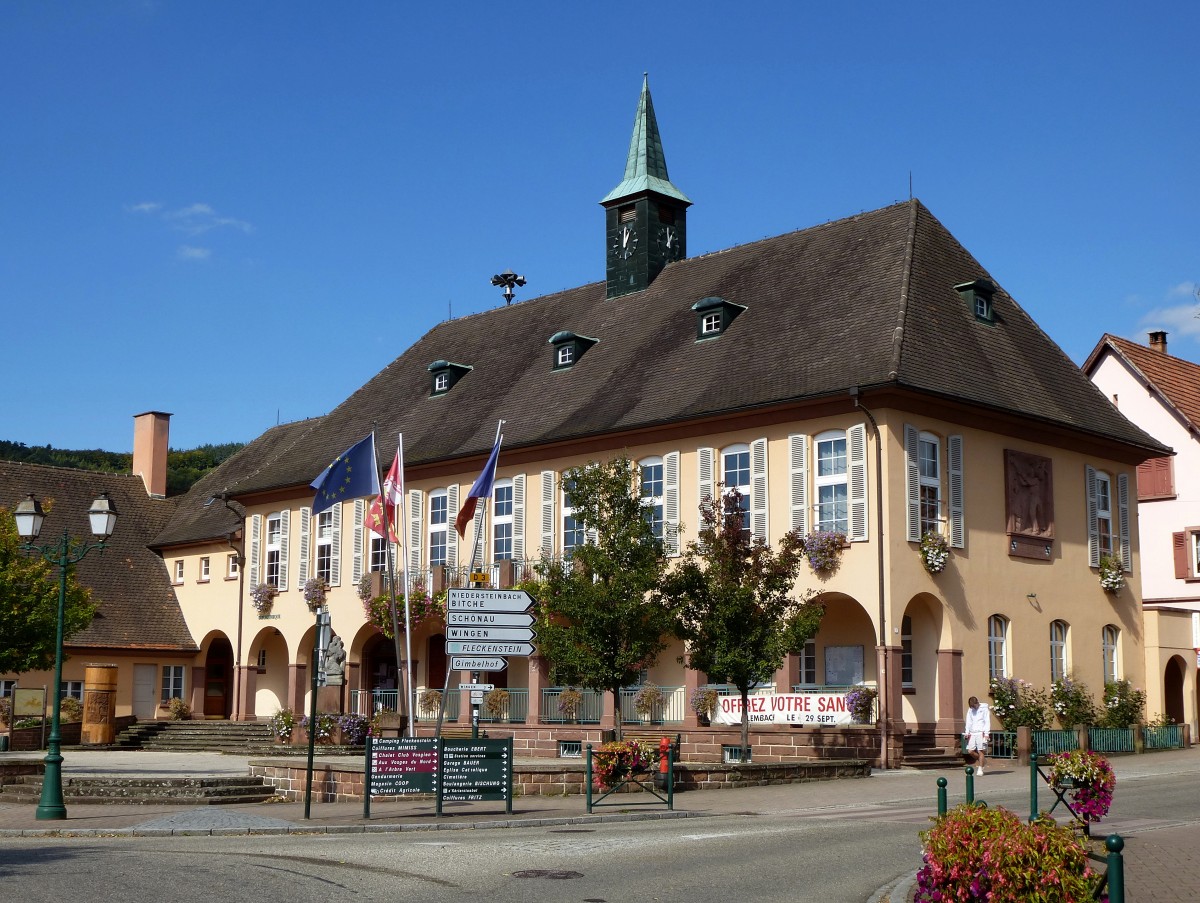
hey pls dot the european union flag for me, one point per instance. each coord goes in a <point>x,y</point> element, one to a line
<point>352,475</point>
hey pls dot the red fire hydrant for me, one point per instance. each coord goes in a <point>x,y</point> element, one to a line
<point>664,751</point>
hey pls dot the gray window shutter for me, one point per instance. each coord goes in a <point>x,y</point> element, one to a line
<point>912,482</point>
<point>856,477</point>
<point>759,514</point>
<point>1093,532</point>
<point>335,546</point>
<point>1123,518</point>
<point>671,503</point>
<point>256,523</point>
<point>798,466</point>
<point>416,524</point>
<point>305,541</point>
<point>285,519</point>
<point>704,469</point>
<point>958,524</point>
<point>518,517</point>
<point>360,541</point>
<point>548,480</point>
<point>451,533</point>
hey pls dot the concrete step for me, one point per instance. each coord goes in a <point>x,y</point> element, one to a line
<point>147,791</point>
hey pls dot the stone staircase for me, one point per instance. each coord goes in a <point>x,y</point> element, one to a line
<point>201,791</point>
<point>921,753</point>
<point>241,737</point>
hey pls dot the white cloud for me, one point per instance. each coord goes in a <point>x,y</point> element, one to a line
<point>144,207</point>
<point>1181,319</point>
<point>190,252</point>
<point>194,219</point>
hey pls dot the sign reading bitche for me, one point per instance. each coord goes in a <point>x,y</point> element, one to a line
<point>488,623</point>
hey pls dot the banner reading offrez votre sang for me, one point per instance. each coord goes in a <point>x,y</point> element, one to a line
<point>785,708</point>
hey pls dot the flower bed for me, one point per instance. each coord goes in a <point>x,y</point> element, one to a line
<point>615,762</point>
<point>1091,778</point>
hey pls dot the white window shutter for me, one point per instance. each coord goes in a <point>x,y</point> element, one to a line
<point>335,546</point>
<point>518,517</point>
<point>416,524</point>
<point>360,541</point>
<point>451,533</point>
<point>1123,518</point>
<point>548,513</point>
<point>856,477</point>
<point>958,524</point>
<point>285,519</point>
<point>798,466</point>
<point>1093,532</point>
<point>305,544</point>
<point>912,482</point>
<point>671,503</point>
<point>759,515</point>
<point>255,550</point>
<point>704,469</point>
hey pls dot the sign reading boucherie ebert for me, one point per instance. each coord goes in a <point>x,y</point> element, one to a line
<point>815,709</point>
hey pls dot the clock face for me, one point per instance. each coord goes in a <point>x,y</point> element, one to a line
<point>669,237</point>
<point>625,242</point>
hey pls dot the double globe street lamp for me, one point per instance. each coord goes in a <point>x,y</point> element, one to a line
<point>64,553</point>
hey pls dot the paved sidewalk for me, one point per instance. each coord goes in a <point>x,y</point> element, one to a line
<point>1162,857</point>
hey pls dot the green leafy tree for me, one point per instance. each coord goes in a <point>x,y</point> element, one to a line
<point>29,605</point>
<point>600,623</point>
<point>736,603</point>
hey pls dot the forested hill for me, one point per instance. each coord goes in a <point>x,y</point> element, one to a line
<point>183,467</point>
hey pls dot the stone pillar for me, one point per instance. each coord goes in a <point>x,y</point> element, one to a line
<point>950,701</point>
<point>538,681</point>
<point>608,719</point>
<point>354,682</point>
<point>99,705</point>
<point>692,681</point>
<point>199,684</point>
<point>297,686</point>
<point>247,688</point>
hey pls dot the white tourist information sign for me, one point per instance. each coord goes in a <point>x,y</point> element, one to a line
<point>477,663</point>
<point>473,647</point>
<point>516,600</point>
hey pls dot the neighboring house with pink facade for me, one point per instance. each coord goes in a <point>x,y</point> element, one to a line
<point>1161,394</point>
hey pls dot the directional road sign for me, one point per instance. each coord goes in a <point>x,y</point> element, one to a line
<point>489,619</point>
<point>473,647</point>
<point>480,687</point>
<point>489,633</point>
<point>477,663</point>
<point>488,600</point>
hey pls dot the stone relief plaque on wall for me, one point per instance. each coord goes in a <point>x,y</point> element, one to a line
<point>1029,504</point>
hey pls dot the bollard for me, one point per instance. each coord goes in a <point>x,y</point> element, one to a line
<point>1116,868</point>
<point>970,783</point>
<point>588,779</point>
<point>1033,786</point>
<point>941,785</point>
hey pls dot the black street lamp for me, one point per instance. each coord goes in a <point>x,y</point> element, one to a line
<point>64,553</point>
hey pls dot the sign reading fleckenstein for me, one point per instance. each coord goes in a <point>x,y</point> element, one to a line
<point>807,709</point>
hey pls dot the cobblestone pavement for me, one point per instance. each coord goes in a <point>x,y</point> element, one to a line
<point>1162,856</point>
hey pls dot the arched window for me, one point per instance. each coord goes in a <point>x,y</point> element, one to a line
<point>831,483</point>
<point>1110,641</point>
<point>997,647</point>
<point>1058,650</point>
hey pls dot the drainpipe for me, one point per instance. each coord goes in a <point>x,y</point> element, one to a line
<point>885,708</point>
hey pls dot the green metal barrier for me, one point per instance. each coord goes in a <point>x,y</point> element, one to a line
<point>1168,736</point>
<point>640,780</point>
<point>1047,742</point>
<point>1110,739</point>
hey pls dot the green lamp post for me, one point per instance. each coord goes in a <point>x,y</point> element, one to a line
<point>64,553</point>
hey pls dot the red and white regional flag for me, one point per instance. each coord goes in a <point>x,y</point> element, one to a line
<point>393,492</point>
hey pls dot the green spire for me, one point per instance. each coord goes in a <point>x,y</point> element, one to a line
<point>646,165</point>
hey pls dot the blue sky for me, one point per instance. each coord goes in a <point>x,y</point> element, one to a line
<point>240,212</point>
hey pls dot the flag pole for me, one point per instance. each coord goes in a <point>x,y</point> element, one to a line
<point>391,578</point>
<point>403,534</point>
<point>483,516</point>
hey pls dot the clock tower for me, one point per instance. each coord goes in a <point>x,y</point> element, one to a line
<point>645,217</point>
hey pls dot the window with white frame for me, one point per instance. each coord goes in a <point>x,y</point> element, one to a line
<point>439,507</point>
<point>651,471</point>
<point>929,455</point>
<point>573,533</point>
<point>502,521</point>
<point>735,474</point>
<point>378,553</point>
<point>231,566</point>
<point>1104,517</point>
<point>710,323</point>
<point>1110,639</point>
<point>172,683</point>
<point>274,549</point>
<point>807,664</point>
<point>997,647</point>
<point>179,571</point>
<point>204,569</point>
<point>1058,650</point>
<point>441,382</point>
<point>6,688</point>
<point>1108,518</point>
<point>565,355</point>
<point>72,689</point>
<point>906,654</point>
<point>831,482</point>
<point>324,569</point>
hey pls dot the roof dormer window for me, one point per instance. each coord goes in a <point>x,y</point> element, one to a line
<point>978,296</point>
<point>444,375</point>
<point>714,315</point>
<point>569,348</point>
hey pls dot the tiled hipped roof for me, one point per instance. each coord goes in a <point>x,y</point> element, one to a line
<point>865,301</point>
<point>1176,379</point>
<point>137,607</point>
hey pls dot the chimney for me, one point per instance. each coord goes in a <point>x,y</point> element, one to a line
<point>150,433</point>
<point>1158,342</point>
